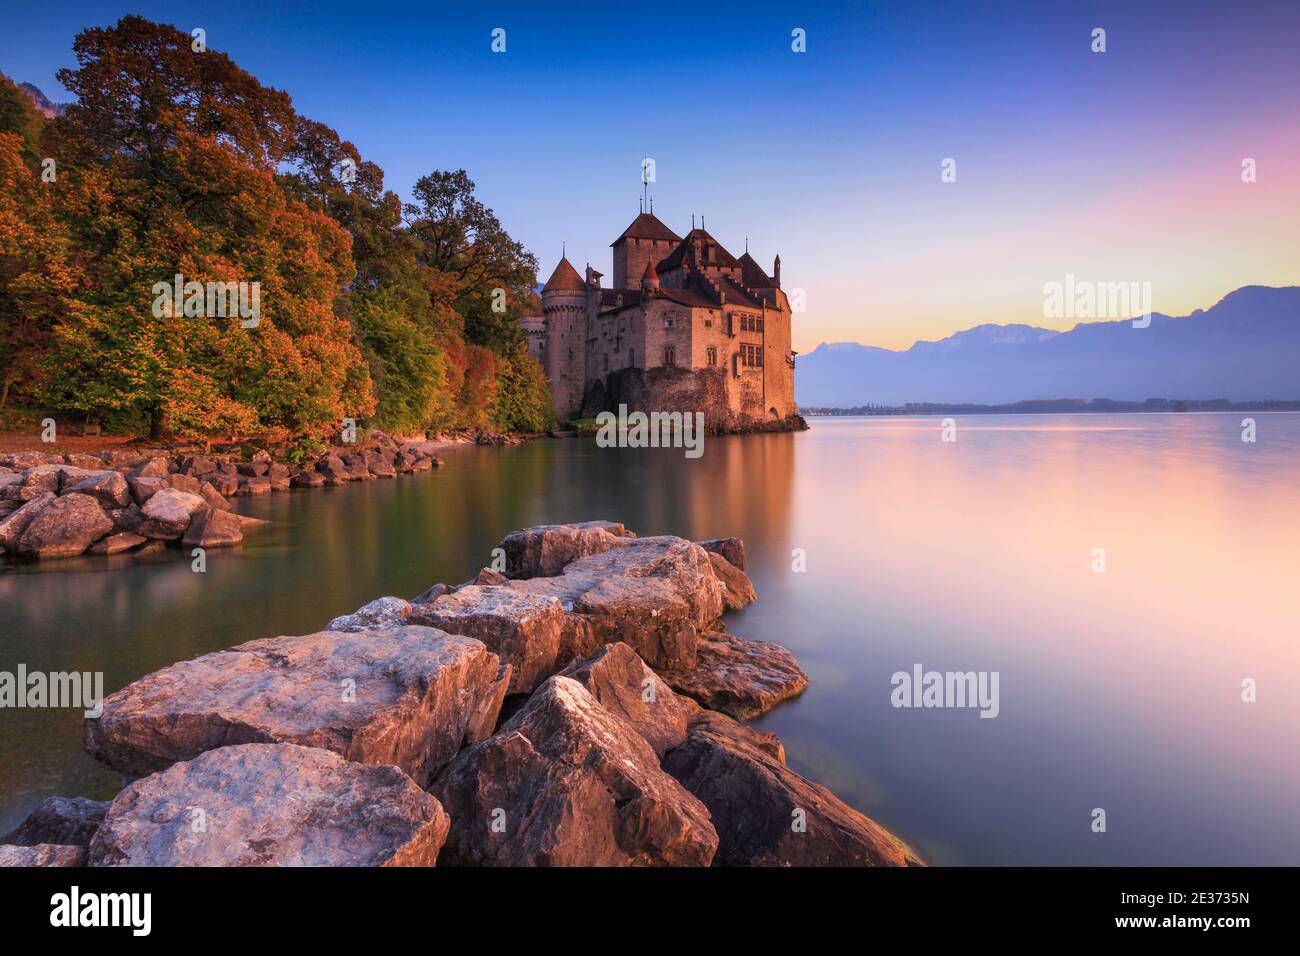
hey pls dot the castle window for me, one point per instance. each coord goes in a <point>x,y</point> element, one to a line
<point>631,358</point>
<point>758,325</point>
<point>670,355</point>
<point>708,323</point>
<point>711,355</point>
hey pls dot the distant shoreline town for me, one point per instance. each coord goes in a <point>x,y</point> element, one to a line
<point>1058,406</point>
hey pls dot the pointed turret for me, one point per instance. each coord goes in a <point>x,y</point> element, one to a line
<point>649,278</point>
<point>565,278</point>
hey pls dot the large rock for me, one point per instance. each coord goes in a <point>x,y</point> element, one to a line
<point>209,528</point>
<point>167,513</point>
<point>117,543</point>
<point>544,551</point>
<point>70,821</point>
<point>379,613</point>
<point>737,589</point>
<point>768,815</point>
<point>624,686</point>
<point>522,629</point>
<point>567,783</point>
<point>409,696</point>
<point>144,487</point>
<point>733,549</point>
<point>66,526</point>
<point>43,854</point>
<point>12,527</point>
<point>739,677</point>
<point>109,488</point>
<point>271,805</point>
<point>214,498</point>
<point>657,595</point>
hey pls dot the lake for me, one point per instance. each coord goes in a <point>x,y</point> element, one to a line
<point>1119,689</point>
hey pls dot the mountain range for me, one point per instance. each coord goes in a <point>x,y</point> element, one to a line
<point>1244,348</point>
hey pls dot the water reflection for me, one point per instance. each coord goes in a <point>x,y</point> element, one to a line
<point>1119,690</point>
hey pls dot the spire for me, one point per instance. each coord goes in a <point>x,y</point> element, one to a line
<point>649,278</point>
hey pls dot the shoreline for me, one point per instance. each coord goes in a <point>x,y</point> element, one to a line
<point>134,497</point>
<point>591,653</point>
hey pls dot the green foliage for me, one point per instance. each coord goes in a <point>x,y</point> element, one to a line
<point>402,317</point>
<point>523,399</point>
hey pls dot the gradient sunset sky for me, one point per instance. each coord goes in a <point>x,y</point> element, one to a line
<point>1124,165</point>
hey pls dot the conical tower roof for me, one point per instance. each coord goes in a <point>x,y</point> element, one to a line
<point>565,278</point>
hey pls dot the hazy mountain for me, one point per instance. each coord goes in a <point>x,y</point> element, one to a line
<point>44,105</point>
<point>1246,347</point>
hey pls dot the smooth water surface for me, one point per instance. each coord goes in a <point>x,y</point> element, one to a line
<point>1119,690</point>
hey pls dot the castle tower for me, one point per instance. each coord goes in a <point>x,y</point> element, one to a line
<point>564,308</point>
<point>646,240</point>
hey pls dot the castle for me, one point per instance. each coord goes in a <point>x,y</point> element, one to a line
<point>686,326</point>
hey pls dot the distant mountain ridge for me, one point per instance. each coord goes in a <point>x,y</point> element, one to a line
<point>1246,347</point>
<point>44,105</point>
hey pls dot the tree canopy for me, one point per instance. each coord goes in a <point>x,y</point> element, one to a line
<point>178,162</point>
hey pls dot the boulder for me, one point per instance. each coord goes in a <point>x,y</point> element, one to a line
<point>522,629</point>
<point>167,513</point>
<point>69,821</point>
<point>144,487</point>
<point>768,815</point>
<point>126,519</point>
<point>307,479</point>
<point>223,484</point>
<point>197,466</point>
<point>331,467</point>
<point>12,527</point>
<point>39,480</point>
<point>43,854</point>
<point>625,687</point>
<point>655,594</point>
<point>733,549</point>
<point>212,497</point>
<point>737,589</point>
<point>544,551</point>
<point>109,488</point>
<point>271,805</point>
<point>254,486</point>
<point>567,783</point>
<point>379,613</point>
<point>66,526</point>
<point>153,468</point>
<point>254,469</point>
<point>88,462</point>
<point>744,734</point>
<point>209,528</point>
<point>431,593</point>
<point>117,543</point>
<point>185,483</point>
<point>738,677</point>
<point>409,696</point>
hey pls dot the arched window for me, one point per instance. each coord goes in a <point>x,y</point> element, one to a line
<point>670,355</point>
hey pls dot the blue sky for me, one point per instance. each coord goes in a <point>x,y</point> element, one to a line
<point>1117,165</point>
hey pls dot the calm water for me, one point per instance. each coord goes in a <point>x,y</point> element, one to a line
<point>1119,690</point>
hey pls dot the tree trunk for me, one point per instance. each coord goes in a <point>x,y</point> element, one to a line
<point>155,422</point>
